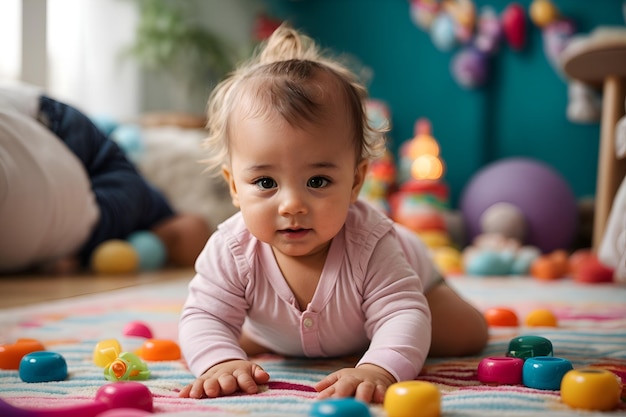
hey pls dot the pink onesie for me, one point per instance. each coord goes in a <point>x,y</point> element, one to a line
<point>369,298</point>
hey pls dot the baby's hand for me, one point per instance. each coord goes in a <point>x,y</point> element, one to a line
<point>367,383</point>
<point>226,378</point>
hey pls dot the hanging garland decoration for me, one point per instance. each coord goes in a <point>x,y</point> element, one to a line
<point>453,23</point>
<point>584,104</point>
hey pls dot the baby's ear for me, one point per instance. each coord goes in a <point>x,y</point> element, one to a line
<point>228,177</point>
<point>359,178</point>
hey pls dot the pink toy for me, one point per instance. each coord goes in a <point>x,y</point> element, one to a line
<point>514,25</point>
<point>117,395</point>
<point>500,370</point>
<point>139,329</point>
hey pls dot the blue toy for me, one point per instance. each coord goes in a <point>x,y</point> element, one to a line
<point>545,372</point>
<point>43,366</point>
<point>151,250</point>
<point>339,407</point>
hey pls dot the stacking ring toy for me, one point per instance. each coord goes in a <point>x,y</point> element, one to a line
<point>500,370</point>
<point>339,407</point>
<point>529,346</point>
<point>412,399</point>
<point>591,389</point>
<point>43,366</point>
<point>545,372</point>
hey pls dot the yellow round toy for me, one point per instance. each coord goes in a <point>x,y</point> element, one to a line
<point>412,399</point>
<point>543,12</point>
<point>115,256</point>
<point>591,389</point>
<point>541,318</point>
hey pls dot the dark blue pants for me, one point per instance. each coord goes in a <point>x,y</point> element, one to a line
<point>126,200</point>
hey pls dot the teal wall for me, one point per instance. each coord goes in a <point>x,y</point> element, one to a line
<point>520,112</point>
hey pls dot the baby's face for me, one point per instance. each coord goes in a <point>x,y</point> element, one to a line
<point>294,185</point>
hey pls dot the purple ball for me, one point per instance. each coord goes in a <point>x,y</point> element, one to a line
<point>544,197</point>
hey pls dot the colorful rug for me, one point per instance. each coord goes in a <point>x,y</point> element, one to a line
<point>591,332</point>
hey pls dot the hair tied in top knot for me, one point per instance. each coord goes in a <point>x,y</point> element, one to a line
<point>286,44</point>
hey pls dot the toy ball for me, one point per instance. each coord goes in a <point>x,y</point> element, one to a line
<point>129,139</point>
<point>469,68</point>
<point>500,317</point>
<point>442,32</point>
<point>412,399</point>
<point>591,389</point>
<point>514,25</point>
<point>151,250</point>
<point>114,256</point>
<point>488,263</point>
<point>537,190</point>
<point>43,366</point>
<point>340,407</point>
<point>138,329</point>
<point>541,318</point>
<point>543,12</point>
<point>504,219</point>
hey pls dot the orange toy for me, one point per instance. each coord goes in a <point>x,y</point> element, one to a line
<point>554,265</point>
<point>541,318</point>
<point>501,317</point>
<point>12,354</point>
<point>159,350</point>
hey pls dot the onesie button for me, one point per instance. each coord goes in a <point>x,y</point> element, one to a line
<point>308,323</point>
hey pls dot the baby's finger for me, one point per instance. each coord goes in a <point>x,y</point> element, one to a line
<point>210,387</point>
<point>246,383</point>
<point>227,383</point>
<point>365,392</point>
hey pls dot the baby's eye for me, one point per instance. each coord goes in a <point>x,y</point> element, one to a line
<point>265,183</point>
<point>318,182</point>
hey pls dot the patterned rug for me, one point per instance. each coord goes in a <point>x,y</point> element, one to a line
<point>591,332</point>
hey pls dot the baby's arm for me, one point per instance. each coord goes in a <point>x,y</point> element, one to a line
<point>226,378</point>
<point>366,382</point>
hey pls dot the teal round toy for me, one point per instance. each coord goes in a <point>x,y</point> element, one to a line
<point>545,372</point>
<point>525,347</point>
<point>340,407</point>
<point>43,366</point>
<point>151,250</point>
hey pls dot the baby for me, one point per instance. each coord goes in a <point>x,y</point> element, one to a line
<point>65,188</point>
<point>305,268</point>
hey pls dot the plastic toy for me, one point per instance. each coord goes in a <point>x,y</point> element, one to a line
<point>110,396</point>
<point>114,256</point>
<point>545,372</point>
<point>536,189</point>
<point>159,350</point>
<point>339,407</point>
<point>554,265</point>
<point>591,389</point>
<point>138,329</point>
<point>586,268</point>
<point>543,12</point>
<point>118,365</point>
<point>500,370</point>
<point>127,366</point>
<point>151,250</point>
<point>514,25</point>
<point>412,399</point>
<point>106,351</point>
<point>43,366</point>
<point>12,354</point>
<point>525,347</point>
<point>541,317</point>
<point>501,317</point>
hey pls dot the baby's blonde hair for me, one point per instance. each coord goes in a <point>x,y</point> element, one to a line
<point>279,79</point>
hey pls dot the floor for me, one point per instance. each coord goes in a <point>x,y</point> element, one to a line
<point>21,290</point>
